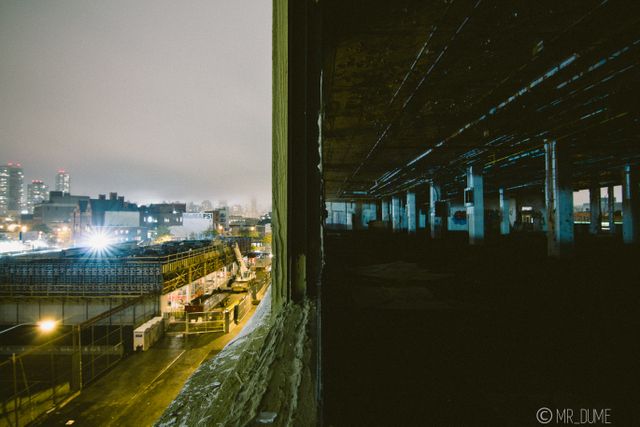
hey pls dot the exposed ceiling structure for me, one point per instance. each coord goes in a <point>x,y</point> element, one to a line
<point>418,90</point>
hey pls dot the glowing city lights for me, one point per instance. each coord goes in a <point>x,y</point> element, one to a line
<point>47,325</point>
<point>99,241</point>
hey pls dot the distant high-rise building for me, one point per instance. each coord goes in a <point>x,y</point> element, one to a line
<point>253,213</point>
<point>63,181</point>
<point>37,192</point>
<point>206,205</point>
<point>220,218</point>
<point>192,207</point>
<point>11,188</point>
<point>236,210</point>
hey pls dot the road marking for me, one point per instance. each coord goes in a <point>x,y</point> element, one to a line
<point>135,396</point>
<point>162,372</point>
<point>68,399</point>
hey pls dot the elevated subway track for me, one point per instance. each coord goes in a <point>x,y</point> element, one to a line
<point>121,272</point>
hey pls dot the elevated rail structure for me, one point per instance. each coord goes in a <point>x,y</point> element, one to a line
<point>98,298</point>
<point>120,272</point>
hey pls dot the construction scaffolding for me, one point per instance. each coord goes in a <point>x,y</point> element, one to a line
<point>219,319</point>
<point>187,267</point>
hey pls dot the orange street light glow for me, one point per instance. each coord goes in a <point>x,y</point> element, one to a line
<point>47,325</point>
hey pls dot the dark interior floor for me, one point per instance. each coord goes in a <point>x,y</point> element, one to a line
<point>503,333</point>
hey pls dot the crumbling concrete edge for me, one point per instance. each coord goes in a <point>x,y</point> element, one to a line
<point>291,392</point>
<point>265,368</point>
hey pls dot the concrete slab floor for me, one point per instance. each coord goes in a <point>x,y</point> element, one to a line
<point>139,388</point>
<point>508,332</point>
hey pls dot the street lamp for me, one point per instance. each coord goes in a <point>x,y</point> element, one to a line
<point>45,326</point>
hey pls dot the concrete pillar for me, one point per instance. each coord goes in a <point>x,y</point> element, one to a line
<point>356,219</point>
<point>505,223</point>
<point>422,219</point>
<point>474,202</point>
<point>630,204</point>
<point>411,212</point>
<point>559,200</point>
<point>436,221</point>
<point>422,195</point>
<point>373,216</point>
<point>396,215</point>
<point>595,219</point>
<point>385,209</point>
<point>544,218</point>
<point>611,208</point>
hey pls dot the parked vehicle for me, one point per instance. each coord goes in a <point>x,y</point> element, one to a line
<point>147,334</point>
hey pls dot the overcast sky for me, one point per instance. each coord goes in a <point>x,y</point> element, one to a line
<point>155,99</point>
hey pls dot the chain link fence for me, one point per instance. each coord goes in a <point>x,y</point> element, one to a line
<point>35,379</point>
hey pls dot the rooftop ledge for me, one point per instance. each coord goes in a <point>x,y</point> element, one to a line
<point>262,376</point>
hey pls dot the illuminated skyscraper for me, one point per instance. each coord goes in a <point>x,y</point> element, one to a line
<point>37,192</point>
<point>11,188</point>
<point>63,181</point>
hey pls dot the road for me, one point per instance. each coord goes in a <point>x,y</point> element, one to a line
<point>138,389</point>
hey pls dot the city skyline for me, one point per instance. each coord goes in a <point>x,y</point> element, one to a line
<point>50,181</point>
<point>135,98</point>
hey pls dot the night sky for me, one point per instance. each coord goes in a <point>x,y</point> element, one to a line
<point>155,99</point>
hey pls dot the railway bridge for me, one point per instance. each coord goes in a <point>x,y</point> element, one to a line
<point>73,286</point>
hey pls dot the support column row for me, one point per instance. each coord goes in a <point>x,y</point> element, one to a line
<point>474,202</point>
<point>559,200</point>
<point>630,204</point>
<point>411,212</point>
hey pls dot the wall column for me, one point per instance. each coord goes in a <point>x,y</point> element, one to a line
<point>436,221</point>
<point>559,200</point>
<point>475,205</point>
<point>611,208</point>
<point>595,220</point>
<point>356,219</point>
<point>385,209</point>
<point>505,223</point>
<point>422,219</point>
<point>396,216</point>
<point>411,212</point>
<point>630,204</point>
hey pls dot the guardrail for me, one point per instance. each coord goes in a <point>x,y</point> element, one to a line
<point>217,320</point>
<point>243,308</point>
<point>79,290</point>
<point>62,350</point>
